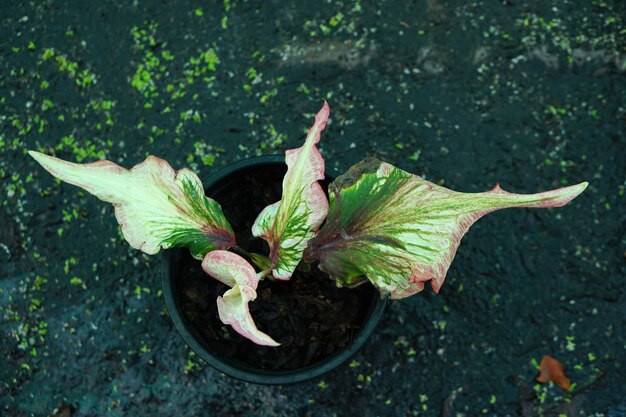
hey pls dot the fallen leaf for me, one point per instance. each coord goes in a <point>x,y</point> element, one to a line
<point>64,410</point>
<point>551,369</point>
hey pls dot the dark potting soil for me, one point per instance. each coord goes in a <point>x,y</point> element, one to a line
<point>309,315</point>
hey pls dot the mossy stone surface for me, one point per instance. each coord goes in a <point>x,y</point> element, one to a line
<point>528,94</point>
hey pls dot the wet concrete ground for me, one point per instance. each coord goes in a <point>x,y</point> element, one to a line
<point>528,94</point>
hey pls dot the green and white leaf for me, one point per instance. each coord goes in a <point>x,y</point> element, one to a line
<point>399,231</point>
<point>290,223</point>
<point>234,271</point>
<point>155,206</point>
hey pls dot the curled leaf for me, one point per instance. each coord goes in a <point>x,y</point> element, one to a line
<point>399,230</point>
<point>551,369</point>
<point>155,206</point>
<point>234,271</point>
<point>290,223</point>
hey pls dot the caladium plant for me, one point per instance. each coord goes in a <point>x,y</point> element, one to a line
<point>155,206</point>
<point>399,231</point>
<point>382,224</point>
<point>290,223</point>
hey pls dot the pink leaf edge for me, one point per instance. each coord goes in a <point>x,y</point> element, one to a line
<point>125,188</point>
<point>234,271</point>
<point>305,165</point>
<point>436,274</point>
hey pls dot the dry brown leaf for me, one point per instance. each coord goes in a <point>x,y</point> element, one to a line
<point>64,410</point>
<point>551,369</point>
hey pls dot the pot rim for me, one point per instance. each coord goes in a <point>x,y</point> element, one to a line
<point>242,371</point>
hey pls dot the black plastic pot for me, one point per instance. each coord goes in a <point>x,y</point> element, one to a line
<point>246,372</point>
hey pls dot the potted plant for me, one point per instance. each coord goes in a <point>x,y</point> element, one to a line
<point>378,226</point>
<point>301,313</point>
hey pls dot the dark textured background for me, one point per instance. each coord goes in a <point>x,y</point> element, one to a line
<point>530,94</point>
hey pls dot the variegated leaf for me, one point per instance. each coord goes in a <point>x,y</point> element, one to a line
<point>399,230</point>
<point>290,223</point>
<point>234,271</point>
<point>155,206</point>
